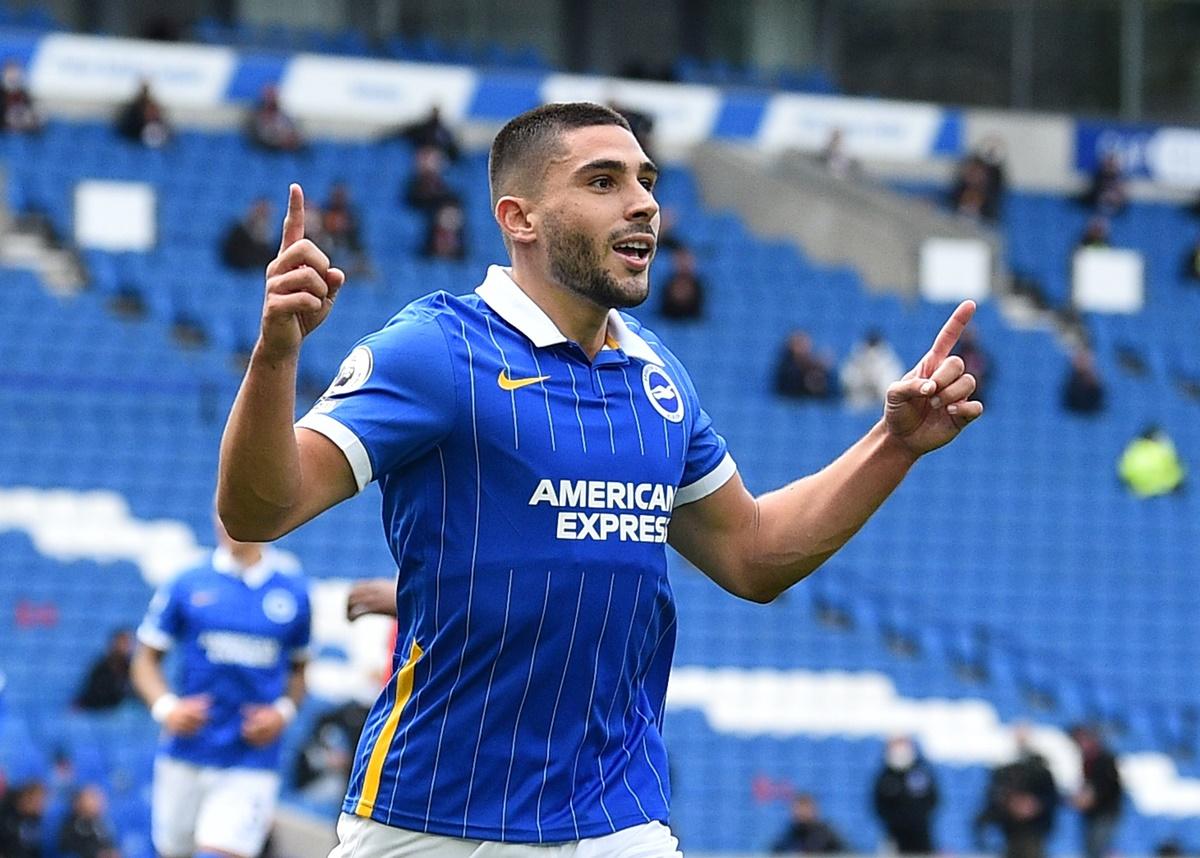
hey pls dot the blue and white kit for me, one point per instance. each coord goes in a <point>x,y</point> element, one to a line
<point>526,492</point>
<point>237,633</point>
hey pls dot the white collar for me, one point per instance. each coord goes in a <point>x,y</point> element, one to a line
<point>254,576</point>
<point>511,303</point>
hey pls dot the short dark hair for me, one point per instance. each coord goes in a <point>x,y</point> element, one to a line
<point>528,141</point>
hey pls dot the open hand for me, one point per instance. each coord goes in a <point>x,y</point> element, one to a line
<point>930,405</point>
<point>301,284</point>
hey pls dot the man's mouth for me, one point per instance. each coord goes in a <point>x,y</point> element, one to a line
<point>636,251</point>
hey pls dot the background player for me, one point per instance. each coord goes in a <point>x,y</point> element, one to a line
<point>240,623</point>
<point>486,502</point>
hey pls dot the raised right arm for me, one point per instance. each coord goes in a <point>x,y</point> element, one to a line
<point>273,477</point>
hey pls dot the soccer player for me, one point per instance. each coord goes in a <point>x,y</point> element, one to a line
<point>535,449</point>
<point>240,623</point>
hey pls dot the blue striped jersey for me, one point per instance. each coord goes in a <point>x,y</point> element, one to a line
<point>237,631</point>
<point>526,496</point>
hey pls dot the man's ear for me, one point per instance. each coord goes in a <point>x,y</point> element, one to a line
<point>514,214</point>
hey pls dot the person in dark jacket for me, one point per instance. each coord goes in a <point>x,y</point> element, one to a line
<point>906,795</point>
<point>1083,390</point>
<point>247,244</point>
<point>107,683</point>
<point>21,813</point>
<point>807,833</point>
<point>85,833</point>
<point>1021,800</point>
<point>1099,799</point>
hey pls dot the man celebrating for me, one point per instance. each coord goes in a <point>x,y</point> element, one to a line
<point>241,624</point>
<point>535,448</point>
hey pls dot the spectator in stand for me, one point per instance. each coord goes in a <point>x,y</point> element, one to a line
<point>324,762</point>
<point>142,120</point>
<point>866,374</point>
<point>980,184</point>
<point>977,361</point>
<point>1150,465</point>
<point>270,128</point>
<point>1095,234</point>
<point>807,833</point>
<point>801,373</point>
<point>17,113</point>
<point>107,682</point>
<point>905,796</point>
<point>247,244</point>
<point>21,813</point>
<point>991,153</point>
<point>668,238</point>
<point>315,215</point>
<point>431,133</point>
<point>971,193</point>
<point>340,221</point>
<point>445,234</point>
<point>1107,194</point>
<point>835,159</point>
<point>86,832</point>
<point>683,293</point>
<point>1099,799</point>
<point>641,124</point>
<point>428,189</point>
<point>1083,391</point>
<point>1021,800</point>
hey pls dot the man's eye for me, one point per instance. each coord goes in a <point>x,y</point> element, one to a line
<point>602,182</point>
<point>648,184</point>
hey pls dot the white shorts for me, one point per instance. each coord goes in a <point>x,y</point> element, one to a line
<point>359,837</point>
<point>205,808</point>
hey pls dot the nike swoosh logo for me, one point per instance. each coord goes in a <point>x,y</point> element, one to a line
<point>507,383</point>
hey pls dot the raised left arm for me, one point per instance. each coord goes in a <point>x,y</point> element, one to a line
<point>758,547</point>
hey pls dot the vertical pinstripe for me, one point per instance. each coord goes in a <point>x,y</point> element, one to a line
<point>587,716</point>
<point>657,644</point>
<point>512,394</point>
<point>578,416</point>
<point>662,793</point>
<point>612,703</point>
<point>633,409</point>
<point>521,707</point>
<point>632,676</point>
<point>437,604</point>
<point>486,699</point>
<point>546,394</point>
<point>558,698</point>
<point>470,578</point>
<point>612,443</point>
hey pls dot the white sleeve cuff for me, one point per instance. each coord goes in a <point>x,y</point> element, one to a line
<point>707,484</point>
<point>155,638</point>
<point>347,442</point>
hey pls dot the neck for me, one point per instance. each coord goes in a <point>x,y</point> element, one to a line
<point>246,554</point>
<point>579,319</point>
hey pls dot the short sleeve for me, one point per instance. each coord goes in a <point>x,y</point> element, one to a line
<point>164,619</point>
<point>707,465</point>
<point>392,399</point>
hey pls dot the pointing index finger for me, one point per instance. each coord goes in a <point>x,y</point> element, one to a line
<point>293,222</point>
<point>947,337</point>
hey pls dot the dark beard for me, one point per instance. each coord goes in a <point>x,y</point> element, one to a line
<point>576,264</point>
